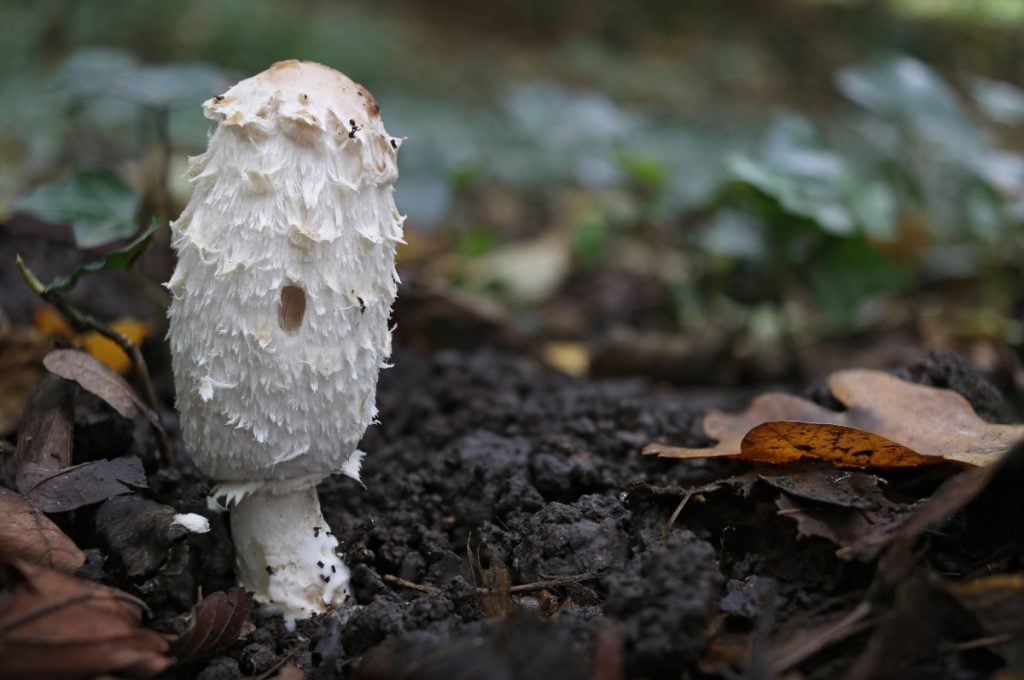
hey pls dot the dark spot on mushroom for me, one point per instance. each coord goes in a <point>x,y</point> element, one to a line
<point>304,97</point>
<point>362,305</point>
<point>219,98</point>
<point>354,128</point>
<point>291,308</point>
<point>394,144</point>
<point>320,563</point>
<point>270,570</point>
<point>333,569</point>
<point>325,579</point>
<point>328,534</point>
<point>316,532</point>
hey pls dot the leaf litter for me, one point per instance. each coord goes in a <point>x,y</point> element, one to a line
<point>888,423</point>
<point>787,528</point>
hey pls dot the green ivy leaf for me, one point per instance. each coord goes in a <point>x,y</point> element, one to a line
<point>847,273</point>
<point>100,207</point>
<point>119,259</point>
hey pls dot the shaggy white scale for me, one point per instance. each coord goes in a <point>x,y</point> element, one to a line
<point>279,318</point>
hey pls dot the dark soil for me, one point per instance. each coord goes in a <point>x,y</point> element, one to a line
<point>526,470</point>
<point>488,468</point>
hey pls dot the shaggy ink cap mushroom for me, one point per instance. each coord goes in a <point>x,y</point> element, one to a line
<point>279,317</point>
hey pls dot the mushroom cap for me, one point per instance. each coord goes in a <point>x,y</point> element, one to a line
<point>301,91</point>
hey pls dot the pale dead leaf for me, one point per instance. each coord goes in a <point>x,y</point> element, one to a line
<point>95,377</point>
<point>29,535</point>
<point>929,421</point>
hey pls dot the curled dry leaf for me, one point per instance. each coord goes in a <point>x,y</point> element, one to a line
<point>46,435</point>
<point>79,485</point>
<point>29,535</point>
<point>56,626</point>
<point>213,624</point>
<point>894,422</point>
<point>95,377</point>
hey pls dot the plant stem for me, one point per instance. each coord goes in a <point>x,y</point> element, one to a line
<point>83,320</point>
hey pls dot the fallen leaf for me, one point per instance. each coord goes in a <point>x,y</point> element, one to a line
<point>21,365</point>
<point>571,358</point>
<point>213,624</point>
<point>821,484</point>
<point>56,626</point>
<point>27,534</point>
<point>49,321</point>
<point>139,532</point>
<point>922,615</point>
<point>108,351</point>
<point>79,485</point>
<point>842,527</point>
<point>844,447</point>
<point>93,376</point>
<point>46,435</point>
<point>898,420</point>
<point>493,586</point>
<point>997,602</point>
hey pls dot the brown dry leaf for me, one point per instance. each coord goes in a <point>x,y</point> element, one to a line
<point>842,527</point>
<point>213,624</point>
<point>493,586</point>
<point>29,535</point>
<point>923,420</point>
<point>56,626</point>
<point>47,433</point>
<point>94,376</point>
<point>78,485</point>
<point>21,365</point>
<point>996,601</point>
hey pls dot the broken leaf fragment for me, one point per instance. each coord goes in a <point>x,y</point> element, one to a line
<point>28,534</point>
<point>888,423</point>
<point>213,624</point>
<point>57,626</point>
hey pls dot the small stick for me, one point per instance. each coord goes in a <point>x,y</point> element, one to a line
<point>83,320</point>
<point>675,515</point>
<point>522,588</point>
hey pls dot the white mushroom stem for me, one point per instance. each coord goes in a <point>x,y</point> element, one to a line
<point>279,322</point>
<point>286,554</point>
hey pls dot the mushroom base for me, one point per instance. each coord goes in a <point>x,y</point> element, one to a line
<point>286,554</point>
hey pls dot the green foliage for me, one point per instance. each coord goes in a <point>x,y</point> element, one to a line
<point>116,260</point>
<point>100,207</point>
<point>847,272</point>
<point>115,74</point>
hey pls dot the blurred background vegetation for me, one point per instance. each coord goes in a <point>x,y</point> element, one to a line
<point>704,191</point>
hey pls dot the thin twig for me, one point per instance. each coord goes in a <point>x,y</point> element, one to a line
<point>409,585</point>
<point>522,588</point>
<point>84,320</point>
<point>675,515</point>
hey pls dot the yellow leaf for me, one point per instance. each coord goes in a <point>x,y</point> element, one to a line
<point>108,351</point>
<point>885,412</point>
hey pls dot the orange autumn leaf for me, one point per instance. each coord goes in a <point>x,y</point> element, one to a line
<point>108,351</point>
<point>844,447</point>
<point>929,422</point>
<point>49,321</point>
